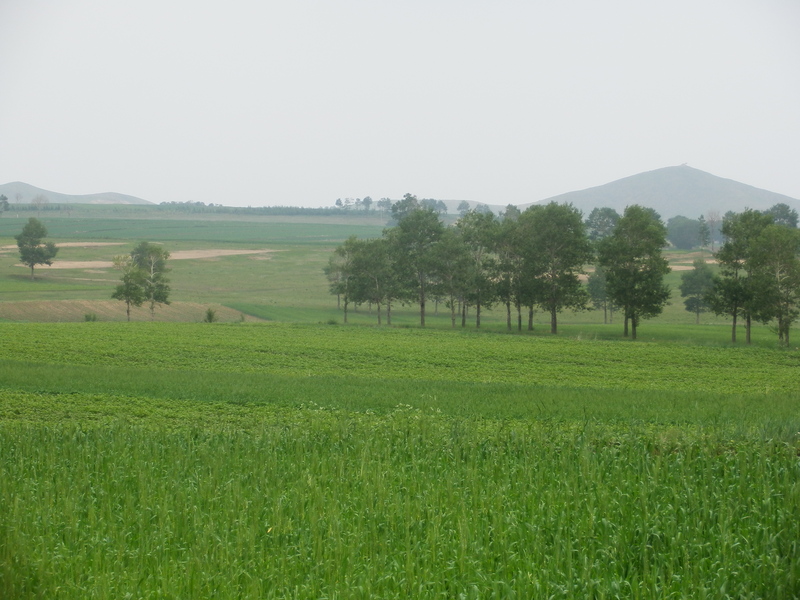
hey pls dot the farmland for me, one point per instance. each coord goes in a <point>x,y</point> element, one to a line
<point>282,454</point>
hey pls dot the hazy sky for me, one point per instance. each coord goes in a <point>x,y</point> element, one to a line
<point>300,102</point>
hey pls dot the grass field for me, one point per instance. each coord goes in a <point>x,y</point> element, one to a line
<point>308,461</point>
<point>301,458</point>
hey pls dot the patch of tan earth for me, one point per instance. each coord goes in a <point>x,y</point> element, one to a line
<point>50,311</point>
<point>177,255</point>
<point>74,245</point>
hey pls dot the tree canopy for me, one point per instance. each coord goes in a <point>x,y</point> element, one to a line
<point>32,251</point>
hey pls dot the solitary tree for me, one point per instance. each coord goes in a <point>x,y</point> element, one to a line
<point>152,260</point>
<point>635,267</point>
<point>32,251</point>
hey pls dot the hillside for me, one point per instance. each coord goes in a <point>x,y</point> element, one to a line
<point>673,191</point>
<point>24,193</point>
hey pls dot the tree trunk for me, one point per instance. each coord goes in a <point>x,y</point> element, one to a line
<point>530,318</point>
<point>633,327</point>
<point>478,315</point>
<point>452,312</point>
<point>747,324</point>
<point>421,304</point>
<point>463,314</point>
<point>31,272</point>
<point>519,316</point>
<point>553,321</point>
<point>733,328</point>
<point>697,318</point>
<point>625,328</point>
<point>128,310</point>
<point>605,313</point>
<point>346,302</point>
<point>379,314</point>
<point>389,312</point>
<point>508,315</point>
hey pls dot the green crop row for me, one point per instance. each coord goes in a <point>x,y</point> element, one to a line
<point>312,350</point>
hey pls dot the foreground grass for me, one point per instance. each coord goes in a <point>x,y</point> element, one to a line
<point>286,461</point>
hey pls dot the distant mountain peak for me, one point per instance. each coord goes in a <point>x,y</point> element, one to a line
<point>675,190</point>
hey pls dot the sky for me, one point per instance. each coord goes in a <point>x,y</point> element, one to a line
<point>301,102</point>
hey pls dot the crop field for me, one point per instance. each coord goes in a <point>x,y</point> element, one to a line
<point>275,460</point>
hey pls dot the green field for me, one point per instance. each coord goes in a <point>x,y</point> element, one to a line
<point>309,461</point>
<point>282,454</point>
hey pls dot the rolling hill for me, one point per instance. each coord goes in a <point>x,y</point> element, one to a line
<point>24,193</point>
<point>672,191</point>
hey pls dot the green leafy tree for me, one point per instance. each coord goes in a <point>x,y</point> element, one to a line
<point>775,258</point>
<point>556,251</point>
<point>696,286</point>
<point>683,233</point>
<point>455,263</point>
<point>373,275</point>
<point>634,265</point>
<point>703,232</point>
<point>479,231</point>
<point>418,232</point>
<point>734,291</point>
<point>151,259</point>
<point>596,287</point>
<point>601,222</point>
<point>32,251</point>
<point>340,272</point>
<point>463,208</point>
<point>131,288</point>
<point>783,214</point>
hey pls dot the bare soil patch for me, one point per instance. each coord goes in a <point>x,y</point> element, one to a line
<point>177,255</point>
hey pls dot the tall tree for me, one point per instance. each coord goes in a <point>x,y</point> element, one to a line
<point>32,251</point>
<point>735,286</point>
<point>596,286</point>
<point>340,272</point>
<point>776,263</point>
<point>372,275</point>
<point>418,232</point>
<point>695,287</point>
<point>455,262</point>
<point>151,259</point>
<point>635,267</point>
<point>131,288</point>
<point>479,232</point>
<point>713,220</point>
<point>556,252</point>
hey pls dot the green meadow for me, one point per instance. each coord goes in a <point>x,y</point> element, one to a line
<point>283,454</point>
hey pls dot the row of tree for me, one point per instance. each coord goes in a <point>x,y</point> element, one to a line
<point>534,259</point>
<point>537,259</point>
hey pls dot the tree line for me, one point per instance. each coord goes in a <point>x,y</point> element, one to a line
<point>539,259</point>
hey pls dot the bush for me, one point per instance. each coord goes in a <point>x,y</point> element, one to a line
<point>90,317</point>
<point>211,316</point>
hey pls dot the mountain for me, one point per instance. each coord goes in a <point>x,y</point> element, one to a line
<point>28,192</point>
<point>674,191</point>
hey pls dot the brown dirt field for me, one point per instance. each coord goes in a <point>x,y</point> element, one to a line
<point>112,310</point>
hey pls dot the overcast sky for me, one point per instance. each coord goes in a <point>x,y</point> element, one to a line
<point>300,102</point>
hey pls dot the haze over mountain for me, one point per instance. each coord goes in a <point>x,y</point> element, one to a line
<point>24,193</point>
<point>672,191</point>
